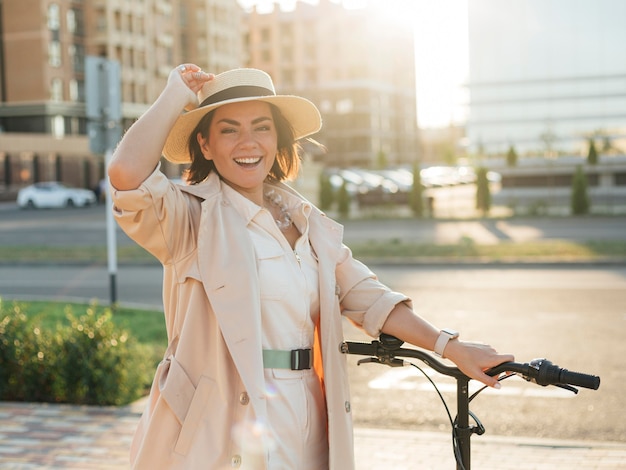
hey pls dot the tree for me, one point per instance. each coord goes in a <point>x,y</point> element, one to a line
<point>343,200</point>
<point>580,198</point>
<point>592,156</point>
<point>415,198</point>
<point>327,194</point>
<point>381,160</point>
<point>483,194</point>
<point>511,156</point>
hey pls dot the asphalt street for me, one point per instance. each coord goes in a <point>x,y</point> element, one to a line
<point>87,227</point>
<point>573,315</point>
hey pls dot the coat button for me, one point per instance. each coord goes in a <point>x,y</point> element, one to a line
<point>244,398</point>
<point>235,461</point>
<point>348,407</point>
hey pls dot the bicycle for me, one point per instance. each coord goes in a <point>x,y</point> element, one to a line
<point>388,350</point>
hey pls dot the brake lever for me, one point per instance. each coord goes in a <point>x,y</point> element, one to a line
<point>387,361</point>
<point>368,359</point>
<point>568,388</point>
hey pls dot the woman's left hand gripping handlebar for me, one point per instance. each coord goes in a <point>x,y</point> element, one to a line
<point>475,358</point>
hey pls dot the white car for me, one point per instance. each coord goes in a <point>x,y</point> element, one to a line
<point>54,194</point>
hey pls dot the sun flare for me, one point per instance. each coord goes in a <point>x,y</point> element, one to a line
<point>441,51</point>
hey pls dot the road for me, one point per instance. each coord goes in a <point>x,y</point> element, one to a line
<point>572,315</point>
<point>88,228</point>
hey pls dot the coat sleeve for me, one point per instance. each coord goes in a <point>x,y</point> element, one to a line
<point>159,217</point>
<point>363,298</point>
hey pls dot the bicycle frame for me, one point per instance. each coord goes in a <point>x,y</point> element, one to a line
<point>388,349</point>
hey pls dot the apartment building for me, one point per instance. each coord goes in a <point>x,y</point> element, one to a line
<point>43,45</point>
<point>546,75</point>
<point>357,65</point>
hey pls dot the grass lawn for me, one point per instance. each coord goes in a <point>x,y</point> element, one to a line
<point>465,250</point>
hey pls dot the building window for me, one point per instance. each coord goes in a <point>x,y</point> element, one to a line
<point>101,22</point>
<point>287,54</point>
<point>287,78</point>
<point>71,21</point>
<point>58,126</point>
<point>54,53</point>
<point>79,22</point>
<point>76,54</point>
<point>71,54</point>
<point>56,89</point>
<point>74,90</point>
<point>266,35</point>
<point>326,106</point>
<point>54,17</point>
<point>344,106</point>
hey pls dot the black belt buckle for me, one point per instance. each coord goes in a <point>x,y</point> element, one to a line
<point>300,359</point>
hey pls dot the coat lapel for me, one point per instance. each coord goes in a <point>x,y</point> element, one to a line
<point>228,268</point>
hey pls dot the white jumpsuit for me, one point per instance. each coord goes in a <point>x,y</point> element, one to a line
<point>288,278</point>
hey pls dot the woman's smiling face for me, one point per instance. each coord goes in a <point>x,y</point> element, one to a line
<point>242,143</point>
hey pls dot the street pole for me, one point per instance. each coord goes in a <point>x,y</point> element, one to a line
<point>104,114</point>
<point>111,236</point>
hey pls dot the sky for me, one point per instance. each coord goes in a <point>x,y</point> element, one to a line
<point>441,57</point>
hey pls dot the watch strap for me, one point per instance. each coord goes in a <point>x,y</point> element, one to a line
<point>442,341</point>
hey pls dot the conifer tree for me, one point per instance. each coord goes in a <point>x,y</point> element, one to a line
<point>327,196</point>
<point>592,156</point>
<point>415,197</point>
<point>580,199</point>
<point>343,200</point>
<point>511,156</point>
<point>483,193</point>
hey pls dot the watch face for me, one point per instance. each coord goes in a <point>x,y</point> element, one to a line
<point>452,333</point>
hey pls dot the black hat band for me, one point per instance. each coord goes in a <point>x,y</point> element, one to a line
<point>235,92</point>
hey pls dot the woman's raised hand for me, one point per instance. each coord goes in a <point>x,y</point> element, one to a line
<point>193,78</point>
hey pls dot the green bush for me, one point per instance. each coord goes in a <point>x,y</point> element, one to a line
<point>89,362</point>
<point>28,364</point>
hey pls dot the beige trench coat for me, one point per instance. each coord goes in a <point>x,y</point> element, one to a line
<point>213,364</point>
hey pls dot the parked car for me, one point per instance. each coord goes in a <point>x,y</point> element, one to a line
<point>54,194</point>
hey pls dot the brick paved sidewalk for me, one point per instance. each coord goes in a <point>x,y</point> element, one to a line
<point>44,436</point>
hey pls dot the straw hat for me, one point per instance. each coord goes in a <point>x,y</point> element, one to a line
<point>236,86</point>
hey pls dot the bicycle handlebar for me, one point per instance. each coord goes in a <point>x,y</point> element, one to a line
<point>388,349</point>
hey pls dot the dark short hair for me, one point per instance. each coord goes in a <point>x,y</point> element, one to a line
<point>287,163</point>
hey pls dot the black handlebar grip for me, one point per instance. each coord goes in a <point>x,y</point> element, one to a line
<point>363,349</point>
<point>579,379</point>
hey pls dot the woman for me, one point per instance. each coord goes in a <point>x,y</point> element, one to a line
<point>256,282</point>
